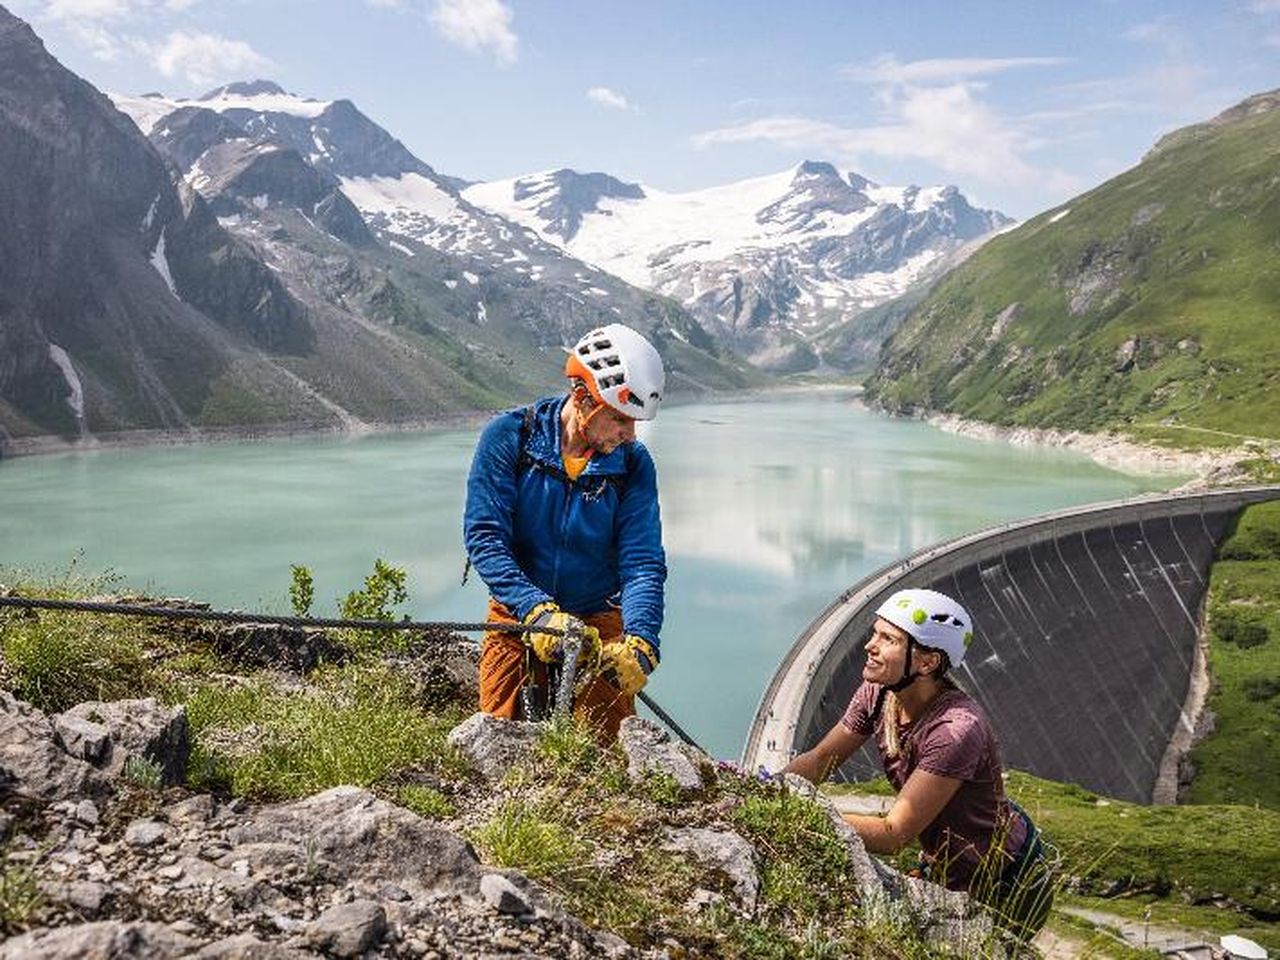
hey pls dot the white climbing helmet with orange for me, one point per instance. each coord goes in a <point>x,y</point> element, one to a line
<point>621,369</point>
<point>932,619</point>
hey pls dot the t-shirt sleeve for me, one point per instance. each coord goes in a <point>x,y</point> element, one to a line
<point>954,747</point>
<point>857,716</point>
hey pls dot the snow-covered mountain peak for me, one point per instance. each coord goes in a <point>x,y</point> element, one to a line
<point>246,88</point>
<point>768,261</point>
<point>150,108</point>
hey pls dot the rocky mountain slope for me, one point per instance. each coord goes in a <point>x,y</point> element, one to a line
<point>251,149</point>
<point>784,268</point>
<point>1148,304</point>
<point>252,293</point>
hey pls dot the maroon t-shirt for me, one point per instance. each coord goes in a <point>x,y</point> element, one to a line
<point>953,738</point>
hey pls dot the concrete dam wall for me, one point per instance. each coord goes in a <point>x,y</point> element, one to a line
<point>1086,637</point>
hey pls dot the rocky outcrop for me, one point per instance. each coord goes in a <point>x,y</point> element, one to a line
<point>132,871</point>
<point>34,763</point>
<point>338,874</point>
<point>494,745</point>
<point>109,735</point>
<point>651,752</point>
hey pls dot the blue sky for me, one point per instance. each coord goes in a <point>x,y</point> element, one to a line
<point>1020,104</point>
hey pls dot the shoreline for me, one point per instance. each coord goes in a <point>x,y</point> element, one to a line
<point>1204,468</point>
<point>48,445</point>
<point>53,444</point>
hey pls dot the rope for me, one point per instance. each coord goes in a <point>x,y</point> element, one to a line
<point>236,616</point>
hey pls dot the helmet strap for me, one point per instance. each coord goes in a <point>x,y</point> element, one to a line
<point>583,420</point>
<point>907,678</point>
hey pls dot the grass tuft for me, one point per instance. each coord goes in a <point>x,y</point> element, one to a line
<point>20,896</point>
<point>357,725</point>
<point>532,840</point>
<point>426,801</point>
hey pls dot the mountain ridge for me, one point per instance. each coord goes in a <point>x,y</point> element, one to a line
<point>1146,304</point>
<point>771,264</point>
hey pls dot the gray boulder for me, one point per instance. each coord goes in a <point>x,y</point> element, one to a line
<point>138,728</point>
<point>503,895</point>
<point>245,946</point>
<point>33,762</point>
<point>649,750</point>
<point>494,745</point>
<point>105,940</point>
<point>349,929</point>
<point>83,739</point>
<point>722,850</point>
<point>346,834</point>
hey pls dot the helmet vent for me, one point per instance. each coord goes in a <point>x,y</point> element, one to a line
<point>612,380</point>
<point>602,344</point>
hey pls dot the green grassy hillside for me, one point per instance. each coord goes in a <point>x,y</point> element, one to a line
<point>1240,761</point>
<point>1149,304</point>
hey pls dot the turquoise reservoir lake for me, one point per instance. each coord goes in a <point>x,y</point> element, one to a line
<point>771,507</point>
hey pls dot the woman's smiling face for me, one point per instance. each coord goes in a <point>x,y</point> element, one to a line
<point>886,653</point>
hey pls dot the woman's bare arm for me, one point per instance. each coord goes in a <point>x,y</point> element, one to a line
<point>922,798</point>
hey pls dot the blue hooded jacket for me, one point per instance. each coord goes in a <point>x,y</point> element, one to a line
<point>587,544</point>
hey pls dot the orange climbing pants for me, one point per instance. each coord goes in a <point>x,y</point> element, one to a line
<point>504,666</point>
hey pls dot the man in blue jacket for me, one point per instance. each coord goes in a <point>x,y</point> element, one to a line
<point>562,525</point>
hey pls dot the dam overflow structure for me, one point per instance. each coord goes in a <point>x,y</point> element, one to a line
<point>1087,626</point>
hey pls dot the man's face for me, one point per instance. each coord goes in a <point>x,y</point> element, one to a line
<point>886,653</point>
<point>607,429</point>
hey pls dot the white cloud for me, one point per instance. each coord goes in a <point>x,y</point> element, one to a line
<point>887,69</point>
<point>1161,32</point>
<point>947,126</point>
<point>608,98</point>
<point>205,57</point>
<point>77,12</point>
<point>477,25</point>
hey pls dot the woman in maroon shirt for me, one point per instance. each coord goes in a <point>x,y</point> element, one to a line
<point>943,759</point>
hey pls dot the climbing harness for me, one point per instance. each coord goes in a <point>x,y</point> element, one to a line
<point>562,700</point>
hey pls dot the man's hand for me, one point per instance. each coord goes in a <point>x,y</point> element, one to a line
<point>547,646</point>
<point>627,663</point>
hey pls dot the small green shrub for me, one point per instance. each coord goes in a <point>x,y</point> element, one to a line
<point>382,590</point>
<point>662,788</point>
<point>1243,633</point>
<point>425,801</point>
<point>20,895</point>
<point>301,590</point>
<point>1259,689</point>
<point>142,772</point>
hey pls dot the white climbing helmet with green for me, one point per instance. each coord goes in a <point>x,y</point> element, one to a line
<point>932,619</point>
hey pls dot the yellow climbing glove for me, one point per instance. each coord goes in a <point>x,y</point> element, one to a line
<point>547,646</point>
<point>627,663</point>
